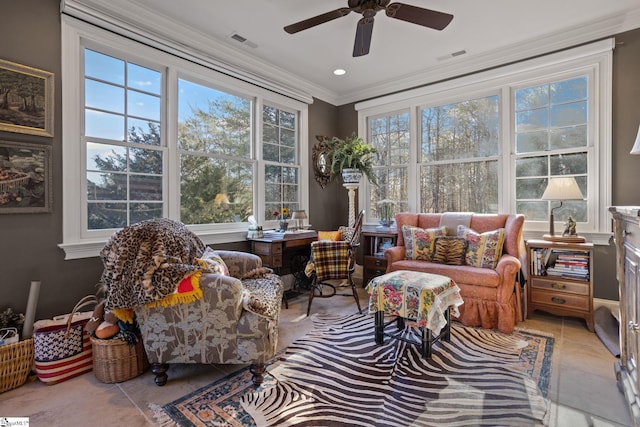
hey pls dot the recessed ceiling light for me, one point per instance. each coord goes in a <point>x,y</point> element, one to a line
<point>339,72</point>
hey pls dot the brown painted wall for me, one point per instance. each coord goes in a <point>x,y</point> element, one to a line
<point>30,35</point>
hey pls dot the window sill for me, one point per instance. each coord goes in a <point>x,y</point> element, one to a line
<point>90,249</point>
<point>599,238</point>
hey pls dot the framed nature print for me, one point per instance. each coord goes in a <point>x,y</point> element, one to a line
<point>25,178</point>
<point>26,99</point>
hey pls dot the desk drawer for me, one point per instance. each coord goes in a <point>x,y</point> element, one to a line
<point>560,285</point>
<point>560,299</point>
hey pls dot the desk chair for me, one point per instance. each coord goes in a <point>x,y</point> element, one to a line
<point>333,262</point>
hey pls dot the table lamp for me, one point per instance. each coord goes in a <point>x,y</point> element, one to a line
<point>299,217</point>
<point>560,189</point>
<point>636,145</point>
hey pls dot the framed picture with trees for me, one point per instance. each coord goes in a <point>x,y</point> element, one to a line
<point>26,99</point>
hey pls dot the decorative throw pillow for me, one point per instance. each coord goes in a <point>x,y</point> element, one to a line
<point>419,242</point>
<point>212,262</point>
<point>347,232</point>
<point>483,250</point>
<point>450,250</point>
<point>330,235</point>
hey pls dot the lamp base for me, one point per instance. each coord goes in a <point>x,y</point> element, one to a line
<point>565,239</point>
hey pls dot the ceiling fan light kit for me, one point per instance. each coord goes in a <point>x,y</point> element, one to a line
<point>368,9</point>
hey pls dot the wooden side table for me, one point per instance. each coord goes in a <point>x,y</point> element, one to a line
<point>373,244</point>
<point>561,279</point>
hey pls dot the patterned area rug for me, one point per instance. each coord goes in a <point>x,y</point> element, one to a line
<point>337,375</point>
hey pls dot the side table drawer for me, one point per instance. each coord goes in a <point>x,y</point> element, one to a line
<point>560,285</point>
<point>560,299</point>
<point>375,263</point>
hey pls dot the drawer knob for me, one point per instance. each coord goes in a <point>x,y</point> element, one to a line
<point>633,327</point>
<point>378,262</point>
<point>558,300</point>
<point>556,285</point>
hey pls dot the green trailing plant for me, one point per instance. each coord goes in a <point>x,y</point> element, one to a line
<point>352,153</point>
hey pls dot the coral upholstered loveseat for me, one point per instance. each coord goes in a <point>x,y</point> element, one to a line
<point>491,295</point>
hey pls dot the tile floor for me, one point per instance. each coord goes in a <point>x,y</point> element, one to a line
<point>583,389</point>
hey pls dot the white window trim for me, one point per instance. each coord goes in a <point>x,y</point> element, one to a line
<point>79,243</point>
<point>595,58</point>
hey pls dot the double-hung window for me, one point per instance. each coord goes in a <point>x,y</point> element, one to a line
<point>148,134</point>
<point>490,142</point>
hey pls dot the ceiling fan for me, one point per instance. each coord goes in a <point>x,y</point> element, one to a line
<point>368,8</point>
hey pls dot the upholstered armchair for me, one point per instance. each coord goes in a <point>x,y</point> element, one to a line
<point>235,321</point>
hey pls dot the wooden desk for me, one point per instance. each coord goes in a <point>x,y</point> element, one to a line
<point>278,251</point>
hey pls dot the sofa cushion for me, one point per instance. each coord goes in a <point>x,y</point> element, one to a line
<point>461,274</point>
<point>483,249</point>
<point>420,242</point>
<point>450,250</point>
<point>333,236</point>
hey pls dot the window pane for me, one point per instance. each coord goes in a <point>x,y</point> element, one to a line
<point>569,114</point>
<point>106,215</point>
<point>533,211</point>
<point>144,79</point>
<point>106,186</point>
<point>571,137</point>
<point>143,105</point>
<point>459,187</point>
<point>143,211</point>
<point>143,132</point>
<point>569,164</point>
<point>104,96</point>
<point>145,161</point>
<point>104,125</point>
<point>212,121</point>
<point>532,188</point>
<point>532,166</point>
<point>532,98</point>
<point>103,67</point>
<point>570,90</point>
<point>532,120</point>
<point>145,187</point>
<point>460,131</point>
<point>105,157</point>
<point>531,142</point>
<point>214,190</point>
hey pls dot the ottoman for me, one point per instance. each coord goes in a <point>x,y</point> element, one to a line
<point>422,297</point>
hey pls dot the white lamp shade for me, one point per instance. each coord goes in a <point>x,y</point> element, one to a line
<point>636,145</point>
<point>563,188</point>
<point>299,215</point>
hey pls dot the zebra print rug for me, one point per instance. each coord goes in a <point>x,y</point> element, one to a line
<point>338,376</point>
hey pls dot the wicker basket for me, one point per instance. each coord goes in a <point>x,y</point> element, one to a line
<point>115,360</point>
<point>16,361</point>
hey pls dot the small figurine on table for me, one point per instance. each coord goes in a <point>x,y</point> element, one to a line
<point>570,227</point>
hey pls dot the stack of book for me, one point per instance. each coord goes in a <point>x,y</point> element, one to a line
<point>571,265</point>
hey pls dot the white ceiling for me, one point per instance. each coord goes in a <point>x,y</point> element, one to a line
<point>402,54</point>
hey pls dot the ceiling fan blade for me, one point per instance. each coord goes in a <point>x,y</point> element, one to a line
<point>364,30</point>
<point>417,15</point>
<point>317,20</point>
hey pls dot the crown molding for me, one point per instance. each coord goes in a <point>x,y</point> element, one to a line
<point>456,67</point>
<point>169,35</point>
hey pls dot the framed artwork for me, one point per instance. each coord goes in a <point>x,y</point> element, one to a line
<point>26,99</point>
<point>25,178</point>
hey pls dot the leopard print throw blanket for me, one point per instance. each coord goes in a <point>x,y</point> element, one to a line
<point>145,262</point>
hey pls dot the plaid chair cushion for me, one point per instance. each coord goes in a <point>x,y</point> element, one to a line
<point>330,259</point>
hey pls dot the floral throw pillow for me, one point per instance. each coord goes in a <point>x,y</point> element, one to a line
<point>419,242</point>
<point>483,249</point>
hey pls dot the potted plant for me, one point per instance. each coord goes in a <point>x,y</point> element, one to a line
<point>354,156</point>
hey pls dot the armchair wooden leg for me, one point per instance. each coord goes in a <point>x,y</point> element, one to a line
<point>160,371</point>
<point>257,370</point>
